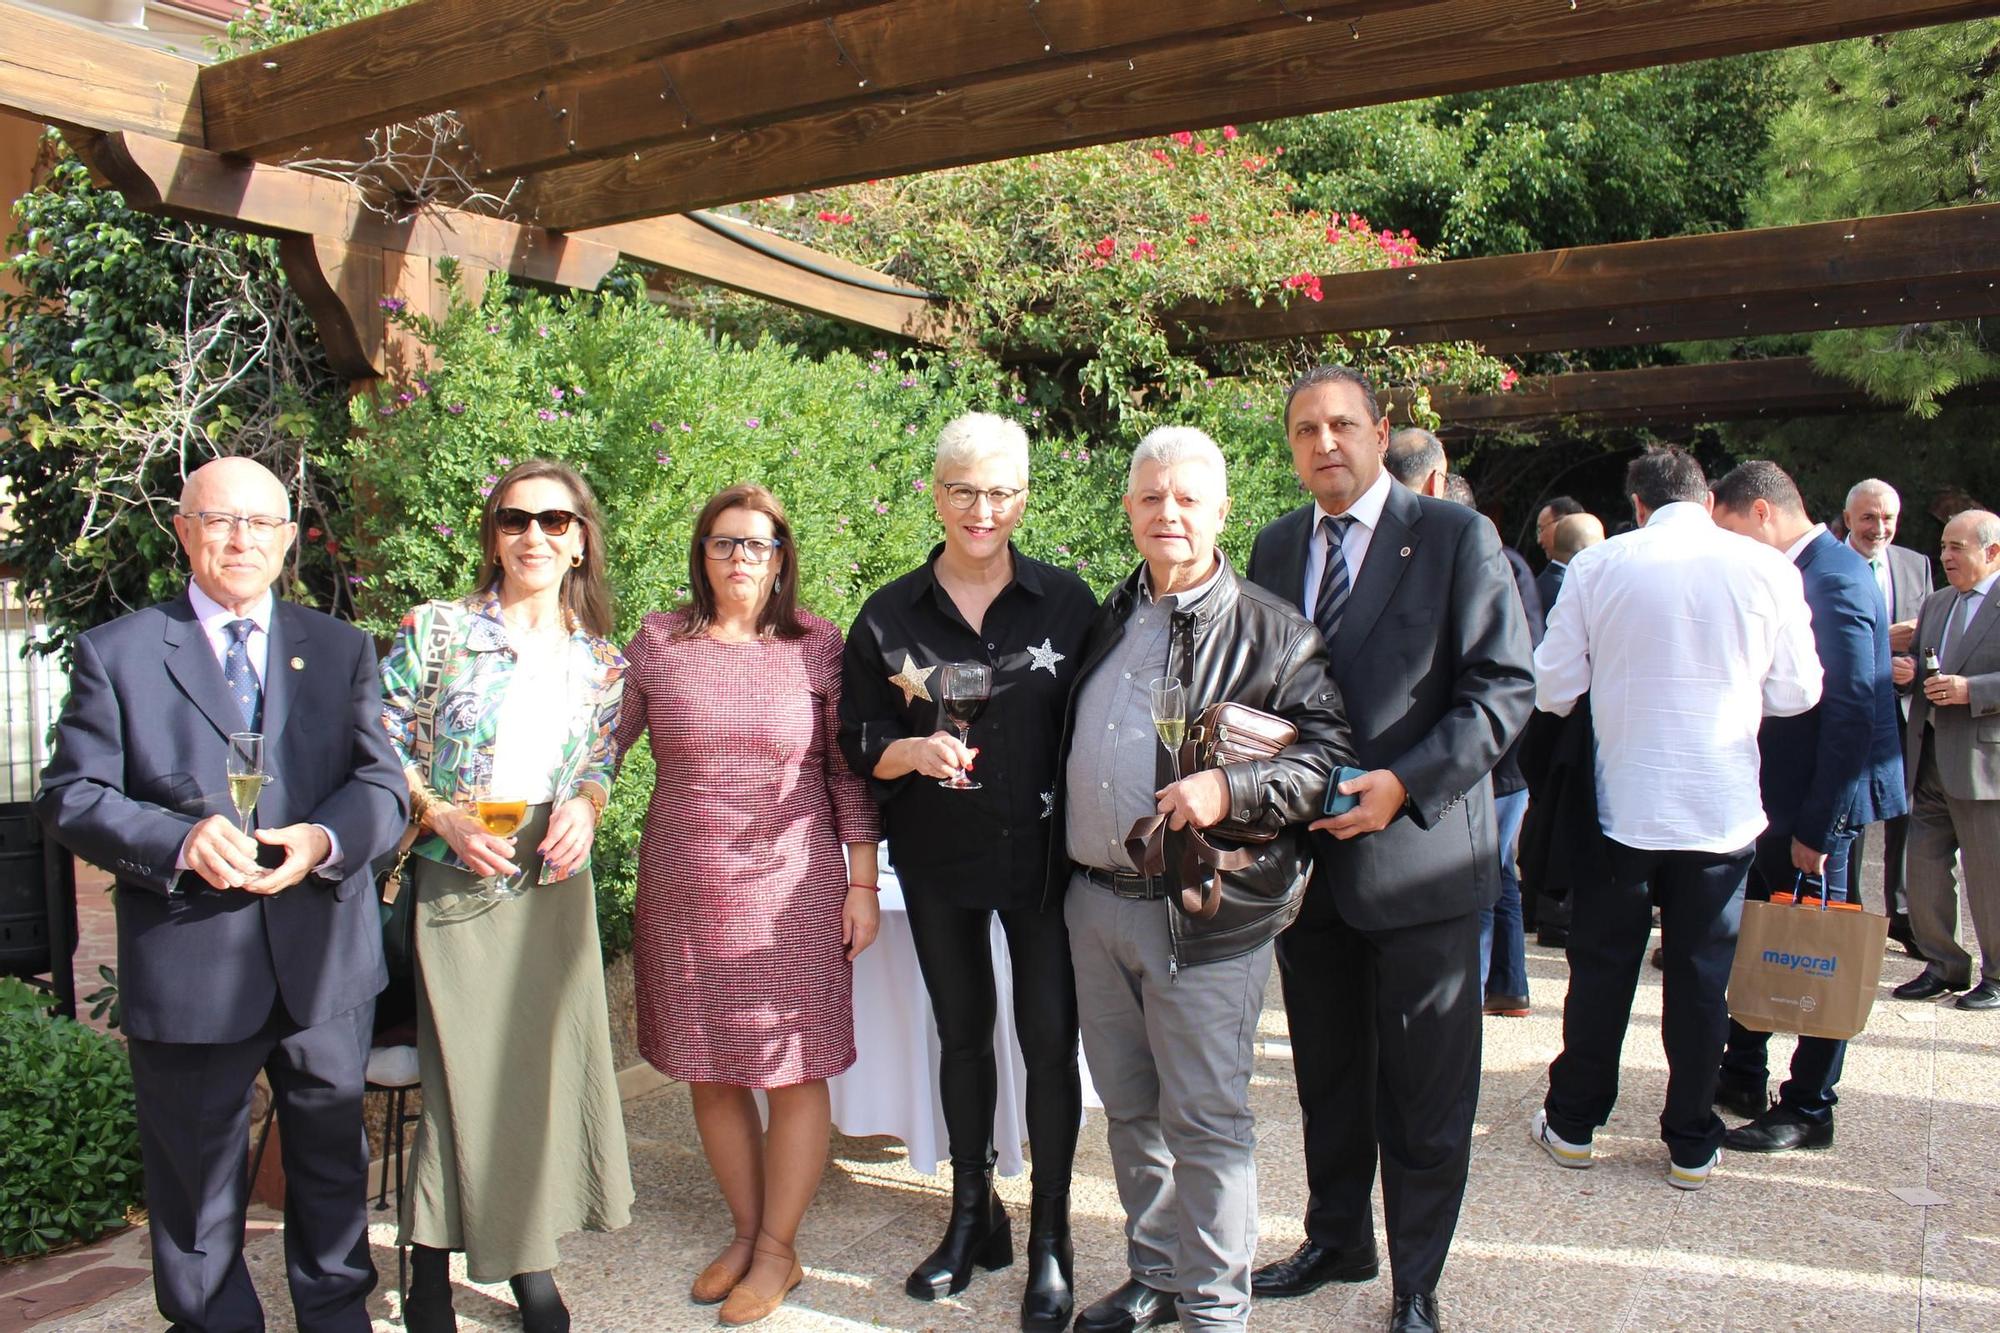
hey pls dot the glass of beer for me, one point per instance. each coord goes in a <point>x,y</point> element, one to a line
<point>246,773</point>
<point>500,813</point>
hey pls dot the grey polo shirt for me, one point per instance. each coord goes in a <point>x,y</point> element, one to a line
<point>1114,752</point>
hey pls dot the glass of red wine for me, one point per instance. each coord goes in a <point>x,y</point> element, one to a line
<point>962,696</point>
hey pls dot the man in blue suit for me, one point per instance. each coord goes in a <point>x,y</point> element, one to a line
<point>238,952</point>
<point>1825,774</point>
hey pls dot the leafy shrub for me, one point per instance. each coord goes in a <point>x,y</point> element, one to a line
<point>69,1138</point>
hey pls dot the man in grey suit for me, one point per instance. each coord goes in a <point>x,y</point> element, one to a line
<point>1429,647</point>
<point>1951,753</point>
<point>1904,579</point>
<point>238,952</point>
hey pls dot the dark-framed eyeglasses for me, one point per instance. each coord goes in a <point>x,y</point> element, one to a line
<point>960,495</point>
<point>514,522</point>
<point>218,526</point>
<point>756,550</point>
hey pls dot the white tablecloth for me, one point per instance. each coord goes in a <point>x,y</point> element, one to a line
<point>892,1088</point>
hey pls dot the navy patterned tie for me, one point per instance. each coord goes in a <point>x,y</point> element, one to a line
<point>1333,582</point>
<point>239,675</point>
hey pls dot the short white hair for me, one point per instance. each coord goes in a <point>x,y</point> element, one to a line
<point>1170,446</point>
<point>971,439</point>
<point>1872,486</point>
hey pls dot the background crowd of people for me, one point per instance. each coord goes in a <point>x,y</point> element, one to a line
<point>1723,698</point>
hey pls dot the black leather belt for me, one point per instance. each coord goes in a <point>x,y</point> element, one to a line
<point>1142,887</point>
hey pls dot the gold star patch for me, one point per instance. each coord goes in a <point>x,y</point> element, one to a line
<point>910,680</point>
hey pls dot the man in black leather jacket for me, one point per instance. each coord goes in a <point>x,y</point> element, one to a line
<point>1169,984</point>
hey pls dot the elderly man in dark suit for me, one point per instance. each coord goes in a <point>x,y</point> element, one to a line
<point>1824,773</point>
<point>1548,519</point>
<point>1904,579</point>
<point>1951,756</point>
<point>238,952</point>
<point>1429,646</point>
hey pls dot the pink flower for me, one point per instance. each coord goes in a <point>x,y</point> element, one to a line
<point>657,427</point>
<point>1183,137</point>
<point>556,393</point>
<point>1200,149</point>
<point>1229,132</point>
<point>920,485</point>
<point>456,409</point>
<point>663,458</point>
<point>545,414</point>
<point>1509,380</point>
<point>1145,250</point>
<point>1107,246</point>
<point>313,534</point>
<point>752,422</point>
<point>1196,219</point>
<point>1160,155</point>
<point>443,529</point>
<point>881,508</point>
<point>392,304</point>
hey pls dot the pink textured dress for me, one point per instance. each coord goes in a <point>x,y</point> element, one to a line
<point>740,972</point>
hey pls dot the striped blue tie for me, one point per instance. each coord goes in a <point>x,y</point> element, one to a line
<point>1333,583</point>
<point>239,675</point>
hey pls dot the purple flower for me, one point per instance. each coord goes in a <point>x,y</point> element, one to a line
<point>854,565</point>
<point>354,579</point>
<point>556,393</point>
<point>1062,550</point>
<point>908,382</point>
<point>752,422</point>
<point>686,427</point>
<point>1083,455</point>
<point>575,392</point>
<point>385,411</point>
<point>545,414</point>
<point>919,485</point>
<point>405,397</point>
<point>493,328</point>
<point>443,529</point>
<point>503,462</point>
<point>565,415</point>
<point>1064,455</point>
<point>485,491</point>
<point>456,409</point>
<point>873,468</point>
<point>910,429</point>
<point>879,355</point>
<point>663,458</point>
<point>881,508</point>
<point>1020,398</point>
<point>541,330</point>
<point>392,304</point>
<point>423,386</point>
<point>657,427</point>
<point>489,480</point>
<point>1083,564</point>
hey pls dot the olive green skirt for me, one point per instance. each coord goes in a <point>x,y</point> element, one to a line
<point>522,1137</point>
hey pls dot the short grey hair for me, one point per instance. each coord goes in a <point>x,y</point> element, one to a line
<point>1985,526</point>
<point>1170,446</point>
<point>971,439</point>
<point>1871,486</point>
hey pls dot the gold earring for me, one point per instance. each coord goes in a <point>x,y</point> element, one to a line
<point>575,561</point>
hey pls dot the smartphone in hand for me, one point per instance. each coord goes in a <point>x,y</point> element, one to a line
<point>1336,803</point>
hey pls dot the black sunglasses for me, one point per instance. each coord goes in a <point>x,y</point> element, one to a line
<point>514,522</point>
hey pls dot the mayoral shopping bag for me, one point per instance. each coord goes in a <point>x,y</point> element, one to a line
<point>1806,967</point>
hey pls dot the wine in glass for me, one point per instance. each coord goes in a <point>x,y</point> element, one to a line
<point>501,815</point>
<point>1169,704</point>
<point>965,688</point>
<point>246,773</point>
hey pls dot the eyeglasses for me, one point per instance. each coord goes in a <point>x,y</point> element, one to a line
<point>218,526</point>
<point>756,550</point>
<point>514,522</point>
<point>961,496</point>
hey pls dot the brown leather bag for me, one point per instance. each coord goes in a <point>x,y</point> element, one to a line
<point>1225,733</point>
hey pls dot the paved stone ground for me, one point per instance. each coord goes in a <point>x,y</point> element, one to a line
<point>1807,1241</point>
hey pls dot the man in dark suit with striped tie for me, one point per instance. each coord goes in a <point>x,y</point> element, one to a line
<point>1429,645</point>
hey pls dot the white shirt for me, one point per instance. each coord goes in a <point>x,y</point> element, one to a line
<point>1792,551</point>
<point>1878,565</point>
<point>1686,637</point>
<point>215,619</point>
<point>1366,512</point>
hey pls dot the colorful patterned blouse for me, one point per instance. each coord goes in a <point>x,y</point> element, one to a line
<point>472,672</point>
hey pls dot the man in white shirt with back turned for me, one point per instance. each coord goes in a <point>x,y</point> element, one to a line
<point>1686,637</point>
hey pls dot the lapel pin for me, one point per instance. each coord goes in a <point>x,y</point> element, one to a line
<point>1406,553</point>
<point>299,663</point>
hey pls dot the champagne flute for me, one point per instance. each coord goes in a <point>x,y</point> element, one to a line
<point>1169,704</point>
<point>964,689</point>
<point>502,815</point>
<point>246,773</point>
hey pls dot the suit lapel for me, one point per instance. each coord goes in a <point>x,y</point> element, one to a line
<point>191,662</point>
<point>1982,621</point>
<point>1389,552</point>
<point>1287,575</point>
<point>287,641</point>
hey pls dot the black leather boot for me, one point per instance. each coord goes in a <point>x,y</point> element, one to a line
<point>427,1309</point>
<point>1048,1302</point>
<point>977,1233</point>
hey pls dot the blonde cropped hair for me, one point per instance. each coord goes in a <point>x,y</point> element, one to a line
<point>969,440</point>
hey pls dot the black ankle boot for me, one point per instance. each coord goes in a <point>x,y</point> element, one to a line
<point>1048,1303</point>
<point>427,1309</point>
<point>542,1308</point>
<point>977,1233</point>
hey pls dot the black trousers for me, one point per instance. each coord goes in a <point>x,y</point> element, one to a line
<point>1385,1028</point>
<point>1700,896</point>
<point>955,954</point>
<point>194,1136</point>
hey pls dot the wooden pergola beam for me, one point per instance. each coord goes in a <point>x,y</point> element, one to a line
<point>1447,46</point>
<point>427,56</point>
<point>1766,280</point>
<point>68,75</point>
<point>1718,391</point>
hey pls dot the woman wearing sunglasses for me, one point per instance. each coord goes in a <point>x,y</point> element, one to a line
<point>501,706</point>
<point>749,916</point>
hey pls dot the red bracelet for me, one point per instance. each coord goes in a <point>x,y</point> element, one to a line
<point>872,888</point>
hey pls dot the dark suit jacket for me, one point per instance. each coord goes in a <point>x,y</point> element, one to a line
<point>140,758</point>
<point>1433,665</point>
<point>1547,584</point>
<point>1837,766</point>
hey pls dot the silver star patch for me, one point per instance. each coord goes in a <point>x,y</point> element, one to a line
<point>1049,803</point>
<point>1045,657</point>
<point>910,680</point>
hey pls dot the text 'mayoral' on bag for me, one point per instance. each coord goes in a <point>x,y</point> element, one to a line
<point>1807,969</point>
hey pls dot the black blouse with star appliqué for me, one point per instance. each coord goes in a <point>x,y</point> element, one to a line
<point>986,848</point>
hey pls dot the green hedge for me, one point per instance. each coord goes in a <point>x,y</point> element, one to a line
<point>69,1138</point>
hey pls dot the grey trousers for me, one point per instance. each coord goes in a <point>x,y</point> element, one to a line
<point>1941,828</point>
<point>1171,1057</point>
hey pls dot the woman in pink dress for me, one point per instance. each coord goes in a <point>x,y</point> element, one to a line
<point>749,916</point>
